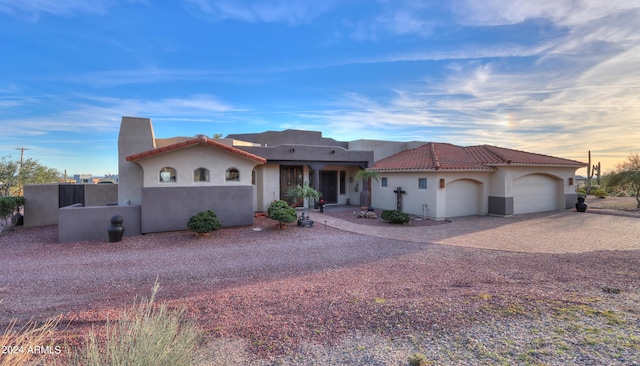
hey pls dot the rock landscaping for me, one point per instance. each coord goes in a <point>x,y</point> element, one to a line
<point>318,295</point>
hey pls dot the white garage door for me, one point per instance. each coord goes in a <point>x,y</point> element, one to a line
<point>534,193</point>
<point>463,198</point>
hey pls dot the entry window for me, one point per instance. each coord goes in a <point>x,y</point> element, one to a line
<point>201,175</point>
<point>343,182</point>
<point>232,174</point>
<point>167,175</point>
<point>383,182</point>
<point>422,183</point>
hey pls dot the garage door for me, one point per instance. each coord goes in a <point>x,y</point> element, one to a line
<point>534,193</point>
<point>463,198</point>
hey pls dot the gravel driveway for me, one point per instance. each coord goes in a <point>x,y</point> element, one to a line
<point>323,296</point>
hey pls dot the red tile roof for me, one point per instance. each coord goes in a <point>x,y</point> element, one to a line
<point>195,141</point>
<point>443,156</point>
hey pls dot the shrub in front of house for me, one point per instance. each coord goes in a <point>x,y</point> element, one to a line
<point>204,222</point>
<point>395,216</point>
<point>281,212</point>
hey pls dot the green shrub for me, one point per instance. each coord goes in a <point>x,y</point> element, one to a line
<point>145,334</point>
<point>300,192</point>
<point>395,216</point>
<point>601,193</point>
<point>281,212</point>
<point>204,222</point>
<point>9,207</point>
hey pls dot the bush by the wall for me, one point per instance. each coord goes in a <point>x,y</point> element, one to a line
<point>204,222</point>
<point>395,216</point>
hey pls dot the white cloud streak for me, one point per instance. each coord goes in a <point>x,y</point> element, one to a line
<point>268,11</point>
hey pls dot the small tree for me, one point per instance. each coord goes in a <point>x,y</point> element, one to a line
<point>9,211</point>
<point>303,191</point>
<point>366,175</point>
<point>627,176</point>
<point>13,175</point>
<point>282,212</point>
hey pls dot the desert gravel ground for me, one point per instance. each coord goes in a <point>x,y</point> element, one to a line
<point>319,296</point>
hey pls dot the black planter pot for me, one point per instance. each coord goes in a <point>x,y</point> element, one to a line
<point>581,206</point>
<point>116,230</point>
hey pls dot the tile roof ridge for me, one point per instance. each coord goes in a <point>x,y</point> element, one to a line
<point>492,151</point>
<point>434,154</point>
<point>199,139</point>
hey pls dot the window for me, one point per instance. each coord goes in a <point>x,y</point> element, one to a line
<point>383,182</point>
<point>343,182</point>
<point>232,174</point>
<point>167,175</point>
<point>253,177</point>
<point>201,175</point>
<point>422,183</point>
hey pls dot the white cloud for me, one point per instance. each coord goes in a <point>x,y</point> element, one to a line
<point>560,12</point>
<point>99,114</point>
<point>268,11</point>
<point>32,8</point>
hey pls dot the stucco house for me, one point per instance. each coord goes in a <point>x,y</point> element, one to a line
<point>244,173</point>
<point>164,181</point>
<point>174,178</point>
<point>441,180</point>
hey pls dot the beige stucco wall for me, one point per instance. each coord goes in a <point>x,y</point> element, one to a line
<point>501,183</point>
<point>187,160</point>
<point>268,185</point>
<point>497,183</point>
<point>414,200</point>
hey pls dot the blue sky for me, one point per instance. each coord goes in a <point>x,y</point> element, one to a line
<point>557,77</point>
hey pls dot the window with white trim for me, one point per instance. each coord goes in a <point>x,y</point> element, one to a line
<point>201,175</point>
<point>232,174</point>
<point>167,175</point>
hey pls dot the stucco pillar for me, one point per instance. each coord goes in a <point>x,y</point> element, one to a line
<point>136,135</point>
<point>316,178</point>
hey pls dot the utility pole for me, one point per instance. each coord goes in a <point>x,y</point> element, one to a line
<point>22,149</point>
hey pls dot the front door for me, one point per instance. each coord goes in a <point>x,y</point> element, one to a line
<point>290,177</point>
<point>328,186</point>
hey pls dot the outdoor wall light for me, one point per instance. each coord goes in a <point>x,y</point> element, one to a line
<point>570,181</point>
<point>292,150</point>
<point>441,182</point>
<point>333,151</point>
